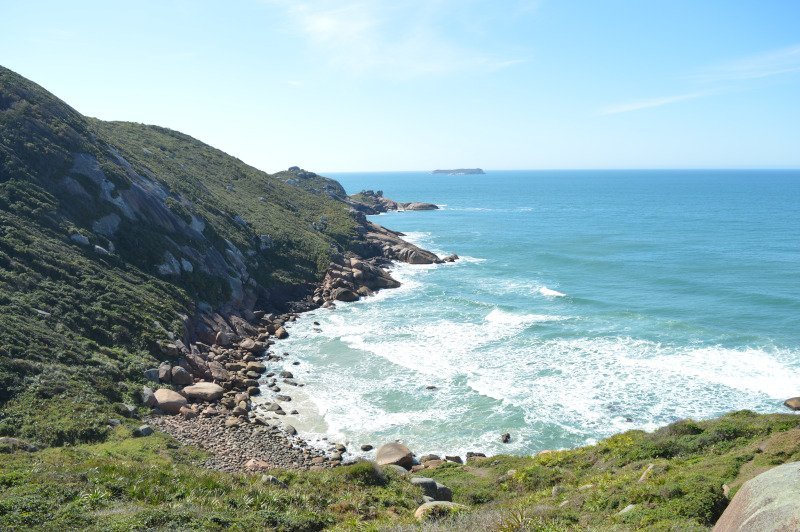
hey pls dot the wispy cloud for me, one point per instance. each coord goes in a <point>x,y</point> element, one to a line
<point>764,65</point>
<point>722,78</point>
<point>394,39</point>
<point>652,102</point>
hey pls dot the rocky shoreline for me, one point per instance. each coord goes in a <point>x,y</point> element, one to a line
<point>206,389</point>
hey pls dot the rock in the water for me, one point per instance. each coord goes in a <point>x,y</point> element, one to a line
<point>793,403</point>
<point>428,458</point>
<point>394,454</point>
<point>768,502</point>
<point>144,430</point>
<point>456,459</point>
<point>280,333</point>
<point>366,447</point>
<point>169,401</point>
<point>343,294</point>
<point>437,509</point>
<point>505,438</point>
<point>181,377</point>
<point>204,391</point>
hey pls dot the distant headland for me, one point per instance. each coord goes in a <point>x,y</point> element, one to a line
<point>460,171</point>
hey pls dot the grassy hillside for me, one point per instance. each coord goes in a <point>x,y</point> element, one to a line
<point>175,222</point>
<point>154,483</point>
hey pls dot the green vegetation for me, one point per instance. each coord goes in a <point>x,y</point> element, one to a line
<point>154,482</point>
<point>79,325</point>
<point>589,487</point>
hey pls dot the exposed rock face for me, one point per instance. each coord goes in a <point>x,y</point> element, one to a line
<point>394,454</point>
<point>419,206</point>
<point>169,401</point>
<point>371,202</point>
<point>768,502</point>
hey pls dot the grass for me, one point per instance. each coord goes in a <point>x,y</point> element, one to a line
<point>154,483</point>
<point>588,487</point>
<point>145,483</point>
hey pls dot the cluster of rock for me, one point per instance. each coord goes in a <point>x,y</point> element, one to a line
<point>213,385</point>
<point>437,499</point>
<point>350,278</point>
<point>370,202</point>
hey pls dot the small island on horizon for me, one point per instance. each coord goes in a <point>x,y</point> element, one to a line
<point>460,171</point>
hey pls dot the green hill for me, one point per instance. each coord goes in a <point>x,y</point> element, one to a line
<point>111,236</point>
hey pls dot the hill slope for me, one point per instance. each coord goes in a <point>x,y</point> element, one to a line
<point>116,235</point>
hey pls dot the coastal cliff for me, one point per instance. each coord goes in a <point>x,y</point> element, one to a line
<point>147,281</point>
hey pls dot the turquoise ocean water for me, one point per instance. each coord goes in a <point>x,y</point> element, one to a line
<point>586,303</point>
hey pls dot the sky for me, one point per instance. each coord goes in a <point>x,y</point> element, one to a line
<point>369,85</point>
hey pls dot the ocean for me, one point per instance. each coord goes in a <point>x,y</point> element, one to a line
<point>585,303</point>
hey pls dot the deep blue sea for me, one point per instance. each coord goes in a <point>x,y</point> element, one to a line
<point>586,303</point>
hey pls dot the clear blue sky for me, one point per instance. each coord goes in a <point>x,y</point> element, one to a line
<point>423,84</point>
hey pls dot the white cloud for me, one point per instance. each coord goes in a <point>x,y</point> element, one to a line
<point>400,39</point>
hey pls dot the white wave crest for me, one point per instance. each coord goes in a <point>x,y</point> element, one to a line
<point>549,292</point>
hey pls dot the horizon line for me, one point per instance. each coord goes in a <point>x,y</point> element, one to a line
<point>608,169</point>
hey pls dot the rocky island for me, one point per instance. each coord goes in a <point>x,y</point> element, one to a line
<point>147,281</point>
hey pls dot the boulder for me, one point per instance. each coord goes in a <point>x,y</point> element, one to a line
<point>218,371</point>
<point>148,397</point>
<point>428,486</point>
<point>169,401</point>
<point>257,465</point>
<point>257,367</point>
<point>204,391</point>
<point>366,447</point>
<point>456,459</point>
<point>343,294</point>
<point>125,410</point>
<point>280,333</point>
<point>793,403</point>
<point>274,481</point>
<point>165,372</point>
<point>768,502</point>
<point>443,493</point>
<point>437,509</point>
<point>394,454</point>
<point>9,445</point>
<point>151,374</point>
<point>181,377</point>
<point>144,430</point>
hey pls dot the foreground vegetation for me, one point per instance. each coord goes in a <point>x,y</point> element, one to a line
<point>154,483</point>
